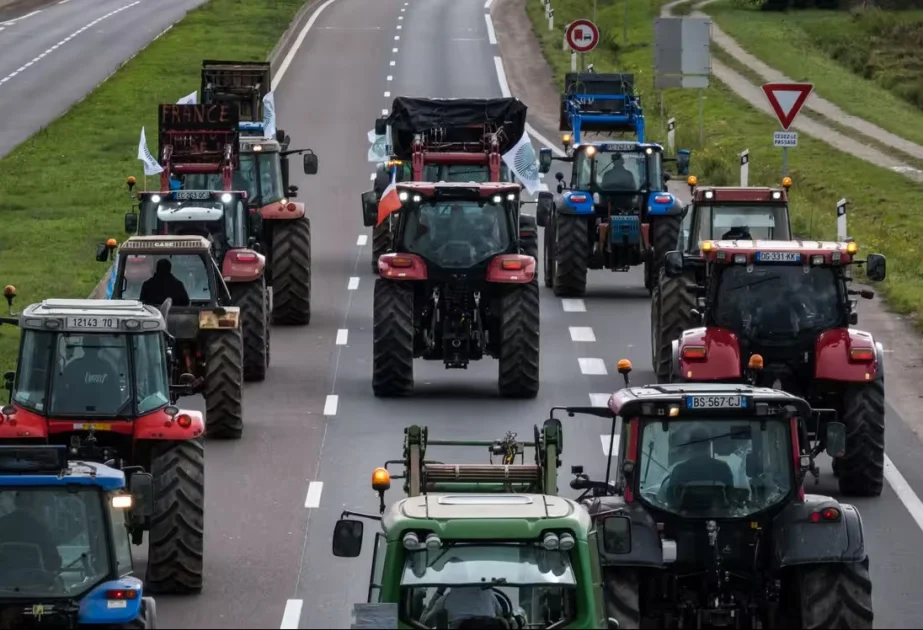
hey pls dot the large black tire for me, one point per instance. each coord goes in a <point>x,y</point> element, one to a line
<point>548,258</point>
<point>571,252</point>
<point>671,313</point>
<point>254,319</point>
<point>224,383</point>
<point>519,342</point>
<point>861,470</point>
<point>291,272</point>
<point>392,333</point>
<point>176,542</point>
<point>664,238</point>
<point>621,593</point>
<point>381,242</point>
<point>833,595</point>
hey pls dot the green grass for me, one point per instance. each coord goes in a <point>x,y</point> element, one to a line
<point>63,191</point>
<point>883,215</point>
<point>849,57</point>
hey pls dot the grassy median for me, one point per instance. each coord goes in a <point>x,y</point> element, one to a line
<point>63,190</point>
<point>883,215</point>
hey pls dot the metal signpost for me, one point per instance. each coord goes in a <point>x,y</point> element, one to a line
<point>671,135</point>
<point>682,58</point>
<point>786,100</point>
<point>581,36</point>
<point>745,168</point>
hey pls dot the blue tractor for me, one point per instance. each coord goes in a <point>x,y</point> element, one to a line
<point>65,541</point>
<point>616,212</point>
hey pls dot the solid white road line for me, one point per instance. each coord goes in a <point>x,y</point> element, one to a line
<point>284,68</point>
<point>904,492</point>
<point>292,615</point>
<point>315,489</point>
<point>573,305</point>
<point>353,283</point>
<point>491,34</point>
<point>330,406</point>
<point>488,3</point>
<point>599,400</point>
<point>363,238</point>
<point>604,440</point>
<point>582,333</point>
<point>593,366</point>
<point>342,336</point>
<point>501,77</point>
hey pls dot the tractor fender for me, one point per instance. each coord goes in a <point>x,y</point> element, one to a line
<point>158,426</point>
<point>663,204</point>
<point>832,356</point>
<point>797,539</point>
<point>96,608</point>
<point>23,423</point>
<point>543,208</point>
<point>645,548</point>
<point>235,270</point>
<point>575,202</point>
<point>722,355</point>
<point>277,211</point>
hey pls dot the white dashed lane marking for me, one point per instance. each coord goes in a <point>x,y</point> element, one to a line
<point>573,305</point>
<point>604,440</point>
<point>392,62</point>
<point>353,283</point>
<point>390,78</point>
<point>387,94</point>
<point>593,366</point>
<point>330,406</point>
<point>315,489</point>
<point>372,176</point>
<point>599,400</point>
<point>363,238</point>
<point>292,615</point>
<point>491,35</point>
<point>394,50</point>
<point>582,333</point>
<point>342,336</point>
<point>397,37</point>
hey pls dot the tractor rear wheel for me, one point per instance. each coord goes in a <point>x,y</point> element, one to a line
<point>254,320</point>
<point>381,242</point>
<point>671,305</point>
<point>519,342</point>
<point>621,594</point>
<point>291,272</point>
<point>393,334</point>
<point>548,258</point>
<point>832,595</point>
<point>176,546</point>
<point>571,252</point>
<point>224,382</point>
<point>664,238</point>
<point>861,469</point>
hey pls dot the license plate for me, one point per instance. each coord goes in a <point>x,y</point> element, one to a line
<point>93,323</point>
<point>619,146</point>
<point>715,402</point>
<point>183,195</point>
<point>778,256</point>
<point>96,426</point>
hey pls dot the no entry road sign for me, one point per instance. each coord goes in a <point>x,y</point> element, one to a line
<point>582,36</point>
<point>787,99</point>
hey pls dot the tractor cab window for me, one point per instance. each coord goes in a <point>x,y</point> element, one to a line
<point>618,171</point>
<point>445,587</point>
<point>778,302</point>
<point>743,222</point>
<point>260,174</point>
<point>715,468</point>
<point>152,389</point>
<point>190,269</point>
<point>53,542</point>
<point>457,234</point>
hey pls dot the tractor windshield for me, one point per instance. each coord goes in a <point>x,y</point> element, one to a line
<point>267,185</point>
<point>441,588</point>
<point>744,222</point>
<point>616,172</point>
<point>462,173</point>
<point>457,234</point>
<point>778,303</point>
<point>223,223</point>
<point>53,541</point>
<point>190,269</point>
<point>113,375</point>
<point>715,468</point>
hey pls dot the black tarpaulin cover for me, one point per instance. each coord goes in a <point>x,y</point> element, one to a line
<point>410,116</point>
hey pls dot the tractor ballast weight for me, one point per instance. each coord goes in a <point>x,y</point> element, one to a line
<point>602,103</point>
<point>198,139</point>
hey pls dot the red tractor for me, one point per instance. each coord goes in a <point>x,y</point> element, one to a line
<point>778,314</point>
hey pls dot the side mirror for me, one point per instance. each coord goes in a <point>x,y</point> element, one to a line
<point>543,208</point>
<point>186,378</point>
<point>102,253</point>
<point>369,209</point>
<point>254,244</point>
<point>131,223</point>
<point>617,535</point>
<point>666,178</point>
<point>141,486</point>
<point>559,176</point>
<point>673,264</point>
<point>853,318</point>
<point>682,161</point>
<point>876,267</point>
<point>347,538</point>
<point>544,160</point>
<point>310,163</point>
<point>256,224</point>
<point>281,137</point>
<point>8,378</point>
<point>835,440</point>
<point>381,126</point>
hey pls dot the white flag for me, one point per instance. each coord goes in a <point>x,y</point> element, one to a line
<point>269,116</point>
<point>521,159</point>
<point>151,167</point>
<point>189,99</point>
<point>378,152</point>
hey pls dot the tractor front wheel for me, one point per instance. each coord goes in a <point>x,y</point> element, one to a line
<point>832,595</point>
<point>224,383</point>
<point>519,342</point>
<point>671,314</point>
<point>254,320</point>
<point>571,251</point>
<point>664,238</point>
<point>176,544</point>
<point>291,272</point>
<point>393,334</point>
<point>861,469</point>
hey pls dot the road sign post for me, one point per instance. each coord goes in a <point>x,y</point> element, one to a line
<point>671,135</point>
<point>682,57</point>
<point>786,100</point>
<point>745,168</point>
<point>581,36</point>
<point>841,219</point>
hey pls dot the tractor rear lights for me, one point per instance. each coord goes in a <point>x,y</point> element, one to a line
<point>245,257</point>
<point>511,268</point>
<point>861,355</point>
<point>121,594</point>
<point>663,199</point>
<point>577,198</point>
<point>402,267</point>
<point>693,353</point>
<point>829,515</point>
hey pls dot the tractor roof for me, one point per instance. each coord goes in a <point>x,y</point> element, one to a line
<point>658,400</point>
<point>49,466</point>
<point>482,189</point>
<point>773,252</point>
<point>164,244</point>
<point>92,316</point>
<point>739,194</point>
<point>466,516</point>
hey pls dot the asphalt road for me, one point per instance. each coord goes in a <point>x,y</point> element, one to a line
<point>52,54</point>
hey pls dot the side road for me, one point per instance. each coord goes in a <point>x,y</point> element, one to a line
<point>742,86</point>
<point>531,80</point>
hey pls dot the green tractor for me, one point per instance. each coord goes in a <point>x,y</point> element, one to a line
<point>495,533</point>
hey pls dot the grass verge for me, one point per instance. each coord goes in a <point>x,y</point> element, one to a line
<point>882,215</point>
<point>63,189</point>
<point>867,63</point>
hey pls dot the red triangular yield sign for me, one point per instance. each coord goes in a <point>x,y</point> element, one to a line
<point>786,100</point>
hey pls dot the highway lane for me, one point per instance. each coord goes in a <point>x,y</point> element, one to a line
<point>51,56</point>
